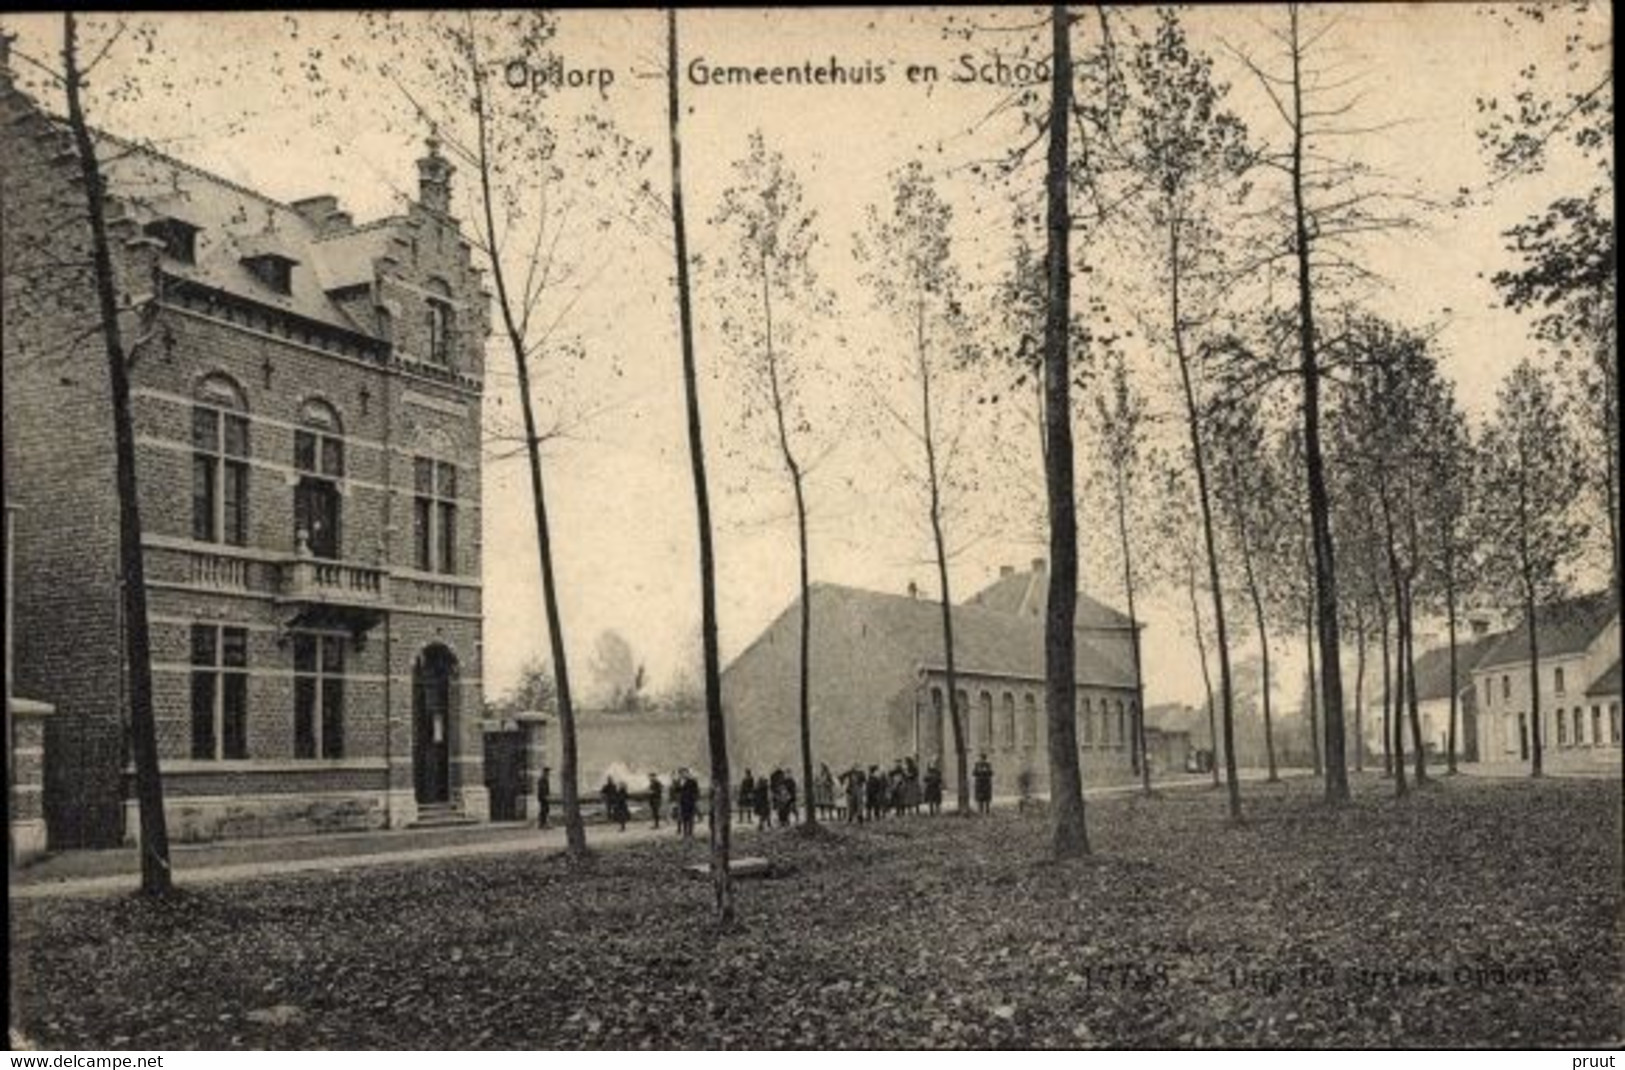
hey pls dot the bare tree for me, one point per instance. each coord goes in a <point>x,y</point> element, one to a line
<point>1189,147</point>
<point>716,726</point>
<point>155,869</point>
<point>771,300</point>
<point>1531,472</point>
<point>909,256</point>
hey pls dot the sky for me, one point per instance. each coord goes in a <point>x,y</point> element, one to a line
<point>231,93</point>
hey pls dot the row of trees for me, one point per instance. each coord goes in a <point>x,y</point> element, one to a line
<point>1271,438</point>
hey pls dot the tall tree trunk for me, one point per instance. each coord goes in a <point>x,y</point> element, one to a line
<point>1401,666</point>
<point>1359,687</point>
<point>575,833</point>
<point>1387,697</point>
<point>1244,540</point>
<point>940,542</point>
<point>1418,744</point>
<point>149,788</point>
<point>1314,687</point>
<point>1134,631</point>
<point>792,468</point>
<point>716,727</point>
<point>1199,461</point>
<point>1536,745</point>
<point>1455,685</point>
<point>1331,679</point>
<point>1207,679</point>
<point>1070,833</point>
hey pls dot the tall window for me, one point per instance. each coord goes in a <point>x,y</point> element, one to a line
<point>318,696</point>
<point>1557,679</point>
<point>318,455</point>
<point>219,692</point>
<point>1007,734</point>
<point>1579,726</point>
<point>1613,723</point>
<point>1596,726</point>
<point>1562,729</point>
<point>1030,709</point>
<point>1122,725</point>
<point>1088,719</point>
<point>440,333</point>
<point>1506,688</point>
<point>220,465</point>
<point>984,726</point>
<point>1489,691</point>
<point>434,515</point>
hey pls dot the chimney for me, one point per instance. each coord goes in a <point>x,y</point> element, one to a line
<point>434,179</point>
<point>324,214</point>
<point>1006,570</point>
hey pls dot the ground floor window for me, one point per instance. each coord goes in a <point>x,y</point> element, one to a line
<point>1613,723</point>
<point>1562,730</point>
<point>1596,726</point>
<point>219,692</point>
<point>1579,726</point>
<point>318,696</point>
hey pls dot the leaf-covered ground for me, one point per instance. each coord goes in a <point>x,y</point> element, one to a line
<point>1471,914</point>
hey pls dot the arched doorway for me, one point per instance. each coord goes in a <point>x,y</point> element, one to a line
<point>434,679</point>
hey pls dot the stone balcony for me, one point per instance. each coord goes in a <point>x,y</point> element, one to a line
<point>328,592</point>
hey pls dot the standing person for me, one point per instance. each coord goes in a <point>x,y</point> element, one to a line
<point>787,802</point>
<point>911,785</point>
<point>544,797</point>
<point>982,773</point>
<point>763,802</point>
<point>875,791</point>
<point>688,800</point>
<point>933,788</point>
<point>747,794</point>
<point>897,786</point>
<point>853,779</point>
<point>826,791</point>
<point>657,794</point>
<point>607,794</point>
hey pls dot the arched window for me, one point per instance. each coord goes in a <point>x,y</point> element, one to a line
<point>1086,714</point>
<point>1030,737</point>
<point>220,462</point>
<point>984,723</point>
<point>1122,726</point>
<point>1007,734</point>
<point>318,456</point>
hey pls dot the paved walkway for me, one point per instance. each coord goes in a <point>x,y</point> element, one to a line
<point>107,873</point>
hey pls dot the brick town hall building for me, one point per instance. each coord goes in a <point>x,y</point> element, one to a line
<point>306,397</point>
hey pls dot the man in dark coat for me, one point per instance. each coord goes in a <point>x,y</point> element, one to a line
<point>688,803</point>
<point>657,794</point>
<point>747,793</point>
<point>982,773</point>
<point>933,788</point>
<point>875,790</point>
<point>544,798</point>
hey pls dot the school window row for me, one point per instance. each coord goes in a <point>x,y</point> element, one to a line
<point>221,452</point>
<point>1096,729</point>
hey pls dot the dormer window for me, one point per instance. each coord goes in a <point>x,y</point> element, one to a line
<point>179,238</point>
<point>275,272</point>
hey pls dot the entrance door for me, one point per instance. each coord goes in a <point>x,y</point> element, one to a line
<point>431,736</point>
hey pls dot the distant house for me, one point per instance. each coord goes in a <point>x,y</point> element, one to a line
<point>1433,688</point>
<point>1579,681</point>
<point>879,690</point>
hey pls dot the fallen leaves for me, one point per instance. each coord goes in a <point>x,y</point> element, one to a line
<point>1303,927</point>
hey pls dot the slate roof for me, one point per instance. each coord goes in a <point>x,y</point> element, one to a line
<point>235,222</point>
<point>1607,682</point>
<point>1433,667</point>
<point>1027,593</point>
<point>1566,627</point>
<point>985,641</point>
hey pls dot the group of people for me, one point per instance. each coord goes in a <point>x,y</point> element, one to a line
<point>617,798</point>
<point>855,795</point>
